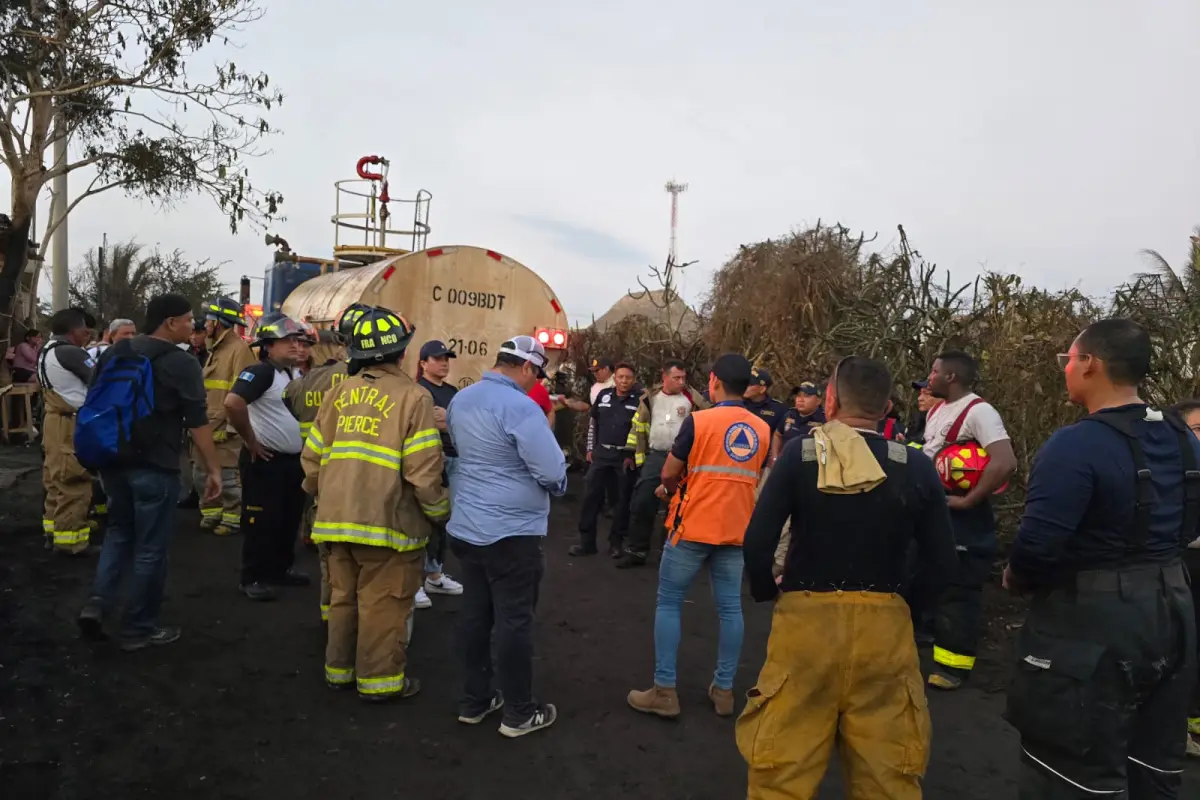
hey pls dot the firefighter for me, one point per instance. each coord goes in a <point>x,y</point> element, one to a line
<point>724,450</point>
<point>64,370</point>
<point>841,666</point>
<point>304,396</point>
<point>374,457</point>
<point>228,355</point>
<point>1106,661</point>
<point>963,416</point>
<point>658,419</point>
<point>269,465</point>
<point>608,455</point>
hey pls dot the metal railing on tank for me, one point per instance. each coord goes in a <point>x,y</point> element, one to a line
<point>362,217</point>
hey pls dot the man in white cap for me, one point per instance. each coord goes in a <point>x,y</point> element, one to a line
<point>509,465</point>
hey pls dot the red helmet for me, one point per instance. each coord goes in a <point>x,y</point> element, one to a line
<point>959,465</point>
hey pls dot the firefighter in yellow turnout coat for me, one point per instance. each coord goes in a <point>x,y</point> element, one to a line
<point>228,355</point>
<point>304,396</point>
<point>374,457</point>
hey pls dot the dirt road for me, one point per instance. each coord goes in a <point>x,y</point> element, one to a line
<point>238,709</point>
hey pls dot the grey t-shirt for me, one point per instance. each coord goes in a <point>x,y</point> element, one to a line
<point>179,398</point>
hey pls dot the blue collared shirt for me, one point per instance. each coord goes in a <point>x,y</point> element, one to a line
<point>509,463</point>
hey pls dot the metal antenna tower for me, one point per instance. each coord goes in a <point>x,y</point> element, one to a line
<point>674,189</point>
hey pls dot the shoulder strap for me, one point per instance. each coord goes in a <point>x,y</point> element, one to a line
<point>1191,478</point>
<point>43,377</point>
<point>1122,423</point>
<point>956,428</point>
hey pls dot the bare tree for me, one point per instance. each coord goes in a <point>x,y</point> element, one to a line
<point>114,78</point>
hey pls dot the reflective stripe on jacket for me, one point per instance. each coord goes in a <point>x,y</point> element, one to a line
<point>304,395</point>
<point>639,430</point>
<point>228,355</point>
<point>374,456</point>
<point>716,498</point>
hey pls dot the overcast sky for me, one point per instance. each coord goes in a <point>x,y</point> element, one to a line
<point>1052,139</point>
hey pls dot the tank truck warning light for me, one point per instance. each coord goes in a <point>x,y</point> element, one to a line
<point>552,338</point>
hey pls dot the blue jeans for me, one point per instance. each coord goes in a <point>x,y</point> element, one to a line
<point>141,522</point>
<point>681,563</point>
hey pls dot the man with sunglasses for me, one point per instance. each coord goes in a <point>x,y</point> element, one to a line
<point>962,416</point>
<point>1106,660</point>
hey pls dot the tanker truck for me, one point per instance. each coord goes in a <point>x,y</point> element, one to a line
<point>471,298</point>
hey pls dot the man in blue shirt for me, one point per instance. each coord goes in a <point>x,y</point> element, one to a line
<point>509,465</point>
<point>1106,659</point>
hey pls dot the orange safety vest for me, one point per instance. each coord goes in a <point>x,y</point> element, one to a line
<point>716,497</point>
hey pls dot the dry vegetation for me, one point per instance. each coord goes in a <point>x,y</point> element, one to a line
<point>831,295</point>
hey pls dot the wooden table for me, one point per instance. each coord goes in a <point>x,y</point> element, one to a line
<point>17,392</point>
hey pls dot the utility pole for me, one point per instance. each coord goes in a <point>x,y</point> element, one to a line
<point>100,277</point>
<point>60,296</point>
<point>674,189</point>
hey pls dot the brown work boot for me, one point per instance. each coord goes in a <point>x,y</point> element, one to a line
<point>658,700</point>
<point>722,700</point>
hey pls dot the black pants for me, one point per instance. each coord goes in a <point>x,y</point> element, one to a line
<point>1104,672</point>
<point>605,475</point>
<point>958,616</point>
<point>1191,560</point>
<point>272,507</point>
<point>643,508</point>
<point>500,591</point>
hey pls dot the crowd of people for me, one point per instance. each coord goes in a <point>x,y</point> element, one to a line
<point>871,537</point>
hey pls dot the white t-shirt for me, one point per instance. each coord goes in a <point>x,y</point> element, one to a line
<point>599,387</point>
<point>982,424</point>
<point>667,413</point>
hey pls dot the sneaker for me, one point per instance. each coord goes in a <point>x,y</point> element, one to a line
<point>579,550</point>
<point>542,718</point>
<point>443,585</point>
<point>257,591</point>
<point>615,552</point>
<point>422,600</point>
<point>91,621</point>
<point>947,683</point>
<point>164,635</point>
<point>495,705</point>
<point>225,530</point>
<point>293,577</point>
<point>630,560</point>
<point>657,700</point>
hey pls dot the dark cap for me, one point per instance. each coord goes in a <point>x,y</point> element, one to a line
<point>808,388</point>
<point>733,368</point>
<point>919,385</point>
<point>600,363</point>
<point>760,377</point>
<point>435,349</point>
<point>198,325</point>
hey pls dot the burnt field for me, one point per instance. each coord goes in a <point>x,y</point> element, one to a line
<point>238,708</point>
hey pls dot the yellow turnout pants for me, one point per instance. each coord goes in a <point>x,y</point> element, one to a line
<point>841,668</point>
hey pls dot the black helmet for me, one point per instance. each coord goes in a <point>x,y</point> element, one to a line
<point>379,333</point>
<point>346,320</point>
<point>224,310</point>
<point>278,325</point>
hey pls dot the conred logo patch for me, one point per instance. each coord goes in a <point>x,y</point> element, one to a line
<point>741,442</point>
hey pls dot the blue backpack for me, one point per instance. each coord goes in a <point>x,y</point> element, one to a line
<point>111,426</point>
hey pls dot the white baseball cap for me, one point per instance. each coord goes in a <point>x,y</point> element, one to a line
<point>528,349</point>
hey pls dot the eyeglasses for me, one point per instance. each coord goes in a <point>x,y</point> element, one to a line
<point>1065,358</point>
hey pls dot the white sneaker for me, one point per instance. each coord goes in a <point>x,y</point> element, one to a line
<point>422,600</point>
<point>443,585</point>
